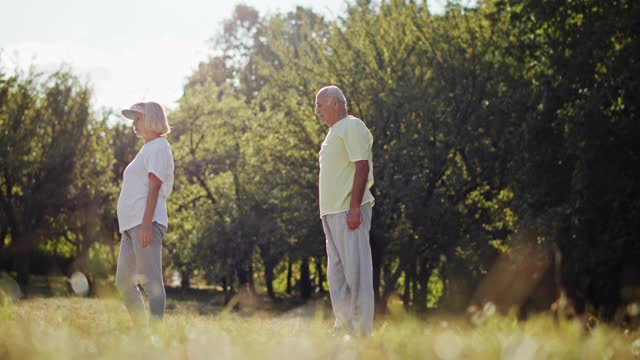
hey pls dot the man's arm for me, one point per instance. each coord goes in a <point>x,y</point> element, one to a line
<point>357,193</point>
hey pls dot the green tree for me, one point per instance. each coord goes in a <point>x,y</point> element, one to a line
<point>581,60</point>
<point>49,140</point>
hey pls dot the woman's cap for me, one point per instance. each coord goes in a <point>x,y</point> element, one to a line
<point>132,110</point>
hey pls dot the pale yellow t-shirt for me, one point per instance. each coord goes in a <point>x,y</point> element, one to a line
<point>347,141</point>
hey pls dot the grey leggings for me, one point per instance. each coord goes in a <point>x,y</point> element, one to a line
<point>138,266</point>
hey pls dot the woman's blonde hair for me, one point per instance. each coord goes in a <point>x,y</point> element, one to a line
<point>155,119</point>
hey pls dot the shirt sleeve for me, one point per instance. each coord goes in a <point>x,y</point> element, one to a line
<point>357,141</point>
<point>157,162</point>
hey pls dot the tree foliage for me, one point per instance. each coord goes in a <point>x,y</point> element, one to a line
<point>511,121</point>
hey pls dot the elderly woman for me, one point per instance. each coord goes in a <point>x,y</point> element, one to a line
<point>142,213</point>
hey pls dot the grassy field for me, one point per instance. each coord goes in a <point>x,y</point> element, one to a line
<point>78,328</point>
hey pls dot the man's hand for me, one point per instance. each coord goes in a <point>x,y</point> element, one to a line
<point>359,185</point>
<point>145,234</point>
<point>353,218</point>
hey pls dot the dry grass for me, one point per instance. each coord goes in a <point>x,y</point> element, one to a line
<point>79,328</point>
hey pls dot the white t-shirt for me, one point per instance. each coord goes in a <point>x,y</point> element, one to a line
<point>154,157</point>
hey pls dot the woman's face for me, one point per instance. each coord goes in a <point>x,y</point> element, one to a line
<point>138,125</point>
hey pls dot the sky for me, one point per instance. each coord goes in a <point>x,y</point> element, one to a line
<point>127,50</point>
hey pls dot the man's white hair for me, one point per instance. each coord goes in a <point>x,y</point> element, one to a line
<point>334,92</point>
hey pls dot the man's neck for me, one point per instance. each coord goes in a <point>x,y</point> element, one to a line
<point>338,118</point>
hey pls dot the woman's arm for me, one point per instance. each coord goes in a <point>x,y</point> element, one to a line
<point>152,200</point>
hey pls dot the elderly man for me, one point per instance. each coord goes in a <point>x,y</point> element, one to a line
<point>346,176</point>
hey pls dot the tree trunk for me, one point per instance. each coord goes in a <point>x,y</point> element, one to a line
<point>423,279</point>
<point>269,264</point>
<point>23,269</point>
<point>414,286</point>
<point>391,278</point>
<point>243,276</point>
<point>185,282</point>
<point>319,274</point>
<point>305,281</point>
<point>268,278</point>
<point>406,297</point>
<point>250,283</point>
<point>22,259</point>
<point>3,254</point>
<point>115,233</point>
<point>289,275</point>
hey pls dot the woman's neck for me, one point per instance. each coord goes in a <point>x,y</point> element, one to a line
<point>150,137</point>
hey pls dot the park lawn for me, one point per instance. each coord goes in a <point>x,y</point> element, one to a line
<point>80,328</point>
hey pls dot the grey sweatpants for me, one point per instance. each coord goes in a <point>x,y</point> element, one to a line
<point>138,266</point>
<point>350,271</point>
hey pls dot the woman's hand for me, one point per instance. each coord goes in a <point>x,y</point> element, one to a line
<point>146,234</point>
